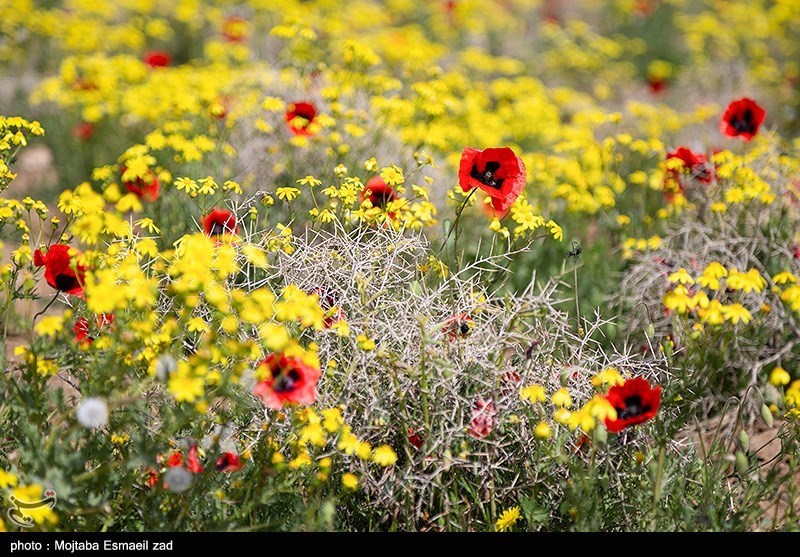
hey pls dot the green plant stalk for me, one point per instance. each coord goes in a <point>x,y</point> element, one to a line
<point>577,303</point>
<point>459,211</point>
<point>659,479</point>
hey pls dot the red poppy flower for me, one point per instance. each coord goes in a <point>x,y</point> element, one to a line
<point>229,462</point>
<point>414,439</point>
<point>82,327</point>
<point>83,131</point>
<point>220,221</point>
<point>81,330</point>
<point>328,301</point>
<point>697,165</point>
<point>299,116</point>
<point>657,85</point>
<point>175,459</point>
<point>234,29</point>
<point>378,192</point>
<point>145,188</point>
<point>644,7</point>
<point>459,326</point>
<point>192,461</point>
<point>635,402</point>
<point>742,118</point>
<point>483,413</point>
<point>152,477</point>
<point>157,58</point>
<point>497,171</point>
<point>291,381</point>
<point>58,271</point>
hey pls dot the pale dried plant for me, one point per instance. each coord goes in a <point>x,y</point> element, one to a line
<point>424,377</point>
<point>747,236</point>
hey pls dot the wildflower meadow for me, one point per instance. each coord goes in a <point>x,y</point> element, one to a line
<point>399,265</point>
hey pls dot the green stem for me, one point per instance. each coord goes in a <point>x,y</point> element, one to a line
<point>577,303</point>
<point>455,222</point>
<point>659,480</point>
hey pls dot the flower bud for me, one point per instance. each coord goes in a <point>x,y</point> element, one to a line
<point>766,414</point>
<point>741,463</point>
<point>744,441</point>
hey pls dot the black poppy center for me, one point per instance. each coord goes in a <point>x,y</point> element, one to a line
<point>633,408</point>
<point>743,123</point>
<point>489,175</point>
<point>305,114</point>
<point>218,227</point>
<point>464,328</point>
<point>381,198</point>
<point>286,382</point>
<point>65,283</point>
<point>701,171</point>
<point>224,463</point>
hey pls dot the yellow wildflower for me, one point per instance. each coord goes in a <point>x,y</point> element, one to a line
<point>507,519</point>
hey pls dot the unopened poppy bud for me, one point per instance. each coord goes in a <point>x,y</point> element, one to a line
<point>744,441</point>
<point>766,414</point>
<point>650,331</point>
<point>741,463</point>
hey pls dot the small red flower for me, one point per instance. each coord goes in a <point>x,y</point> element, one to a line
<point>145,188</point>
<point>83,130</point>
<point>657,85</point>
<point>379,194</point>
<point>459,326</point>
<point>219,222</point>
<point>299,116</point>
<point>635,402</point>
<point>234,29</point>
<point>192,461</point>
<point>58,271</point>
<point>152,477</point>
<point>175,459</point>
<point>291,381</point>
<point>328,301</point>
<point>483,413</point>
<point>229,462</point>
<point>82,327</point>
<point>414,439</point>
<point>157,58</point>
<point>497,171</point>
<point>644,7</point>
<point>81,330</point>
<point>696,164</point>
<point>742,118</point>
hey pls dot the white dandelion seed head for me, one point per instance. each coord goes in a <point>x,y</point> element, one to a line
<point>165,365</point>
<point>92,413</point>
<point>177,479</point>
